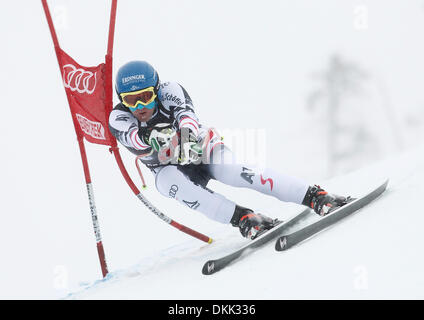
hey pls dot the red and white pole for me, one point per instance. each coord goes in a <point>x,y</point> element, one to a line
<point>107,104</point>
<point>92,204</point>
<point>93,210</point>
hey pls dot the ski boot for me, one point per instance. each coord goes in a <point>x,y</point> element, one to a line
<point>251,224</point>
<point>323,202</point>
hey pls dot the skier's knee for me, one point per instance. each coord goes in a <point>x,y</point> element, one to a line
<point>165,181</point>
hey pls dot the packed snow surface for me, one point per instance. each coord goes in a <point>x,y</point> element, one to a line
<point>373,254</point>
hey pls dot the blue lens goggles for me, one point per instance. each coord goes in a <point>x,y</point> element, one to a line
<point>140,106</point>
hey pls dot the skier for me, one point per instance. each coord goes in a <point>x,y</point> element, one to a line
<point>157,119</point>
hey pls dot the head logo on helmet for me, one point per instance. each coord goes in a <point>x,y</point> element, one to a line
<point>134,76</point>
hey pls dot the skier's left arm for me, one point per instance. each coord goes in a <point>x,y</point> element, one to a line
<point>176,99</point>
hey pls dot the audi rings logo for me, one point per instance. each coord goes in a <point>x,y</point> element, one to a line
<point>78,79</point>
<point>173,191</point>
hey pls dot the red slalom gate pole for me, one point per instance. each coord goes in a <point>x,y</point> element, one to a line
<point>93,210</point>
<point>108,106</point>
<point>151,207</point>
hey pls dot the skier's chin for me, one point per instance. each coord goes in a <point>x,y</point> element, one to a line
<point>143,115</point>
<point>143,118</point>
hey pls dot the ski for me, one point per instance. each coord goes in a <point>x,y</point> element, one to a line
<point>213,266</point>
<point>289,240</point>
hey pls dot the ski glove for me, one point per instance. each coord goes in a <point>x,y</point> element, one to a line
<point>190,150</point>
<point>176,147</point>
<point>160,136</point>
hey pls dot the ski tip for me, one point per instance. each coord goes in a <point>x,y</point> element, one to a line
<point>281,244</point>
<point>209,268</point>
<point>386,182</point>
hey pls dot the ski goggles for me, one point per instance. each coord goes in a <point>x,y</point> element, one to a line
<point>139,99</point>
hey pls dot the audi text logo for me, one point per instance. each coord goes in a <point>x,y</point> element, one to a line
<point>92,128</point>
<point>77,79</point>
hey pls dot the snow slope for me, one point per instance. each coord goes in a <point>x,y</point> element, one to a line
<point>374,254</point>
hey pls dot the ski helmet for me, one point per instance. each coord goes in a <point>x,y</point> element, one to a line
<point>134,76</point>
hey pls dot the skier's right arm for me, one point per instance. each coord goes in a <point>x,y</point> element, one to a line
<point>124,126</point>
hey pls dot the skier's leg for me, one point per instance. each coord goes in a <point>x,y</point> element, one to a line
<point>224,168</point>
<point>172,183</point>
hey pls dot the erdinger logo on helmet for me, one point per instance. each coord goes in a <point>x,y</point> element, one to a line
<point>136,78</point>
<point>77,79</point>
<point>93,129</point>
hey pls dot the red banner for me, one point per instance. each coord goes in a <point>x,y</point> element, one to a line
<point>85,87</point>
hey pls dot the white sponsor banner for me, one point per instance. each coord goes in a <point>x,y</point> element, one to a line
<point>93,129</point>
